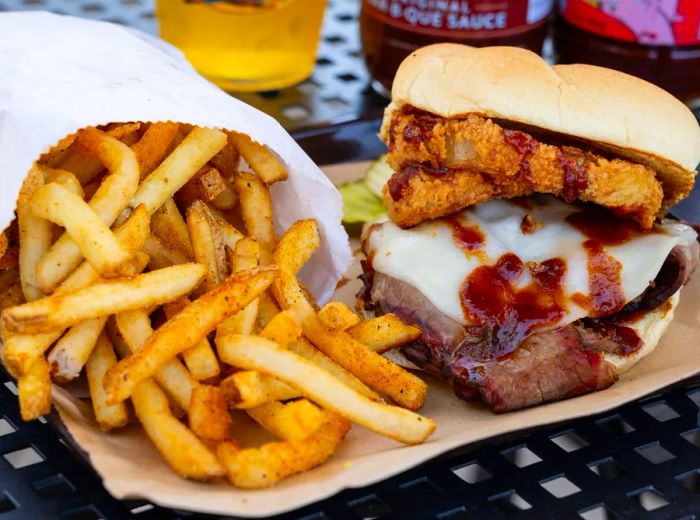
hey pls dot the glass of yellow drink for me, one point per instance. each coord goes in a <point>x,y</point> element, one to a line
<point>245,45</point>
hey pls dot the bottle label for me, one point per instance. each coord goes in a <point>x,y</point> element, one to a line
<point>486,18</point>
<point>649,22</point>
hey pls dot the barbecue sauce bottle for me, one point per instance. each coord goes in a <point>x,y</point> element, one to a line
<point>658,40</point>
<point>392,29</point>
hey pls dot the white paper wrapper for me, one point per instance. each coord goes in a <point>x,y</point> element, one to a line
<point>59,74</point>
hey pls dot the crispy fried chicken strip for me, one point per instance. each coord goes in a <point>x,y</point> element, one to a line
<point>443,165</point>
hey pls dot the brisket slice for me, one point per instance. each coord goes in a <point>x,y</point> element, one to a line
<point>547,366</point>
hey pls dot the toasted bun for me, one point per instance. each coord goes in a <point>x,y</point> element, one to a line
<point>650,328</point>
<point>613,111</point>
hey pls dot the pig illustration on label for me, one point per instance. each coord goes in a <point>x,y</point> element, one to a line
<point>649,20</point>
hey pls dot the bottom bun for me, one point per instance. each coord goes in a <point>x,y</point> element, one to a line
<point>650,328</point>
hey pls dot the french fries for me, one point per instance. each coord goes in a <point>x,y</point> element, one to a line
<point>108,416</point>
<point>256,468</point>
<point>256,353</point>
<point>93,237</point>
<point>185,453</point>
<point>134,242</point>
<point>384,333</point>
<point>112,196</point>
<point>256,208</point>
<point>186,329</point>
<point>208,414</point>
<point>34,390</point>
<point>292,421</point>
<point>200,359</point>
<point>102,299</point>
<point>261,160</point>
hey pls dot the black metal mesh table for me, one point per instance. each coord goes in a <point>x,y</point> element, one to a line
<point>639,461</point>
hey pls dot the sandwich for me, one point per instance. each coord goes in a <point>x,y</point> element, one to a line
<point>527,234</point>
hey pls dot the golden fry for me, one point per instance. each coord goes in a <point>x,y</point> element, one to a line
<point>34,390</point>
<point>205,186</point>
<point>160,255</point>
<point>113,195</point>
<point>181,448</point>
<point>186,329</point>
<point>200,359</point>
<point>35,236</point>
<point>256,208</point>
<point>337,316</point>
<point>135,329</point>
<point>73,350</point>
<point>248,389</point>
<point>384,333</point>
<point>153,145</point>
<point>246,255</point>
<point>93,237</point>
<point>261,160</point>
<point>200,145</point>
<point>208,414</point>
<point>283,329</point>
<point>170,228</point>
<point>11,297</point>
<point>64,309</point>
<point>207,245</point>
<point>108,416</point>
<point>62,177</point>
<point>255,468</point>
<point>255,353</point>
<point>292,421</point>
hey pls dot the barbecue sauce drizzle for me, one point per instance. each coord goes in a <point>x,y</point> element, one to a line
<point>503,314</point>
<point>469,238</point>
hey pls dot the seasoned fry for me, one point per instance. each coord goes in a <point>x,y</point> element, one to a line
<point>3,243</point>
<point>292,421</point>
<point>261,160</point>
<point>384,333</point>
<point>208,414</point>
<point>35,235</point>
<point>336,317</point>
<point>200,145</point>
<point>256,208</point>
<point>83,164</point>
<point>181,448</point>
<point>207,245</point>
<point>229,233</point>
<point>170,228</point>
<point>283,329</point>
<point>62,177</point>
<point>255,468</point>
<point>404,388</point>
<point>93,237</point>
<point>62,310</point>
<point>160,255</point>
<point>132,235</point>
<point>34,390</point>
<point>153,145</point>
<point>112,196</point>
<point>255,353</point>
<point>248,389</point>
<point>268,310</point>
<point>200,359</point>
<point>186,329</point>
<point>245,256</point>
<point>108,416</point>
<point>172,376</point>
<point>206,185</point>
<point>226,161</point>
<point>72,351</point>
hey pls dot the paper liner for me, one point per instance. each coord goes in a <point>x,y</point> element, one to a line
<point>131,467</point>
<point>59,74</point>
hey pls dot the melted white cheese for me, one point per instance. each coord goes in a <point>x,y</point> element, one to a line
<point>427,258</point>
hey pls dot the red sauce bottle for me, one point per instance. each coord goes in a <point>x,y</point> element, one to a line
<point>658,40</point>
<point>392,29</point>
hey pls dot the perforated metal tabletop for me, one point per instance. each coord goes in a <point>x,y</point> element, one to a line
<point>639,461</point>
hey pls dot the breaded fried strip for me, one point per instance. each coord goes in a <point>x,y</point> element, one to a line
<point>444,165</point>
